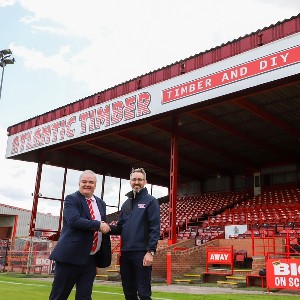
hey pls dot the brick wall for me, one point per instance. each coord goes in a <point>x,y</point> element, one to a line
<point>238,244</point>
<point>185,257</point>
<point>258,263</point>
<point>188,258</point>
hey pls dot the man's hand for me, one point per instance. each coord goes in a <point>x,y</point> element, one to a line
<point>148,260</point>
<point>104,227</point>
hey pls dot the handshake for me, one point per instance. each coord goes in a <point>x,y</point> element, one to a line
<point>104,227</point>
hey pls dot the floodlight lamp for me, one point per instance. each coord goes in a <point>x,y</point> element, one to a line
<point>5,52</point>
<point>10,60</point>
<point>7,61</point>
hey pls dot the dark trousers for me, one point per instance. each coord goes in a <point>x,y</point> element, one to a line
<point>66,276</point>
<point>136,279</point>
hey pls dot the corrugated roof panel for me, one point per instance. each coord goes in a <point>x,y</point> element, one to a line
<point>45,221</point>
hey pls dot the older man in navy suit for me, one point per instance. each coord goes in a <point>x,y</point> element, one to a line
<point>81,247</point>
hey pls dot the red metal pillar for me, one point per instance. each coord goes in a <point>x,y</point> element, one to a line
<point>173,182</point>
<point>169,268</point>
<point>15,226</point>
<point>35,198</point>
<point>62,201</point>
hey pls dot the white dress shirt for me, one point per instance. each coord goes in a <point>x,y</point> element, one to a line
<point>97,217</point>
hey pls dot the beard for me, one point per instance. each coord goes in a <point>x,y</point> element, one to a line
<point>136,189</point>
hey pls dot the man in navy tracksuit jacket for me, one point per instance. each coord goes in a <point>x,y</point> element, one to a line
<point>139,226</point>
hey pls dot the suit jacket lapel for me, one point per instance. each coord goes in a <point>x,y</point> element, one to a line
<point>86,207</point>
<point>84,204</point>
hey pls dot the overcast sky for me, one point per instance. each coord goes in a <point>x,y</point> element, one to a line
<point>67,50</point>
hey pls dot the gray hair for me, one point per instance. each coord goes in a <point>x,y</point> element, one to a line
<point>139,170</point>
<point>88,172</point>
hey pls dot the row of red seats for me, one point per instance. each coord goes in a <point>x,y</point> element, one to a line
<point>192,209</point>
<point>283,210</point>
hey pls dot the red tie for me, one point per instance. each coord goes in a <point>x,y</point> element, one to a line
<point>95,239</point>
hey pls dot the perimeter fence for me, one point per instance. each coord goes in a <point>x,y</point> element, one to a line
<point>26,255</point>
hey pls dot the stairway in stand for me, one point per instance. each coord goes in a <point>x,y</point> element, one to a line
<point>233,281</point>
<point>189,278</point>
<point>109,274</point>
<point>238,279</point>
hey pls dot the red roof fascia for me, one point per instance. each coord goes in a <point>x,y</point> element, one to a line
<point>240,45</point>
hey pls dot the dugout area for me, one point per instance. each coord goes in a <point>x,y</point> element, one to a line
<point>225,120</point>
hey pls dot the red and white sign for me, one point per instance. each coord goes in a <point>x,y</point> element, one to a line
<point>283,273</point>
<point>249,69</point>
<point>85,122</point>
<point>42,261</point>
<point>219,257</point>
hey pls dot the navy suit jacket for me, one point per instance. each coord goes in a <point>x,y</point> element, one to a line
<point>75,242</point>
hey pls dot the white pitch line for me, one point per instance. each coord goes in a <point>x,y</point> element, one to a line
<point>118,294</point>
<point>108,293</point>
<point>20,283</point>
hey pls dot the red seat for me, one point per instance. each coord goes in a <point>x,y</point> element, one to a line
<point>240,257</point>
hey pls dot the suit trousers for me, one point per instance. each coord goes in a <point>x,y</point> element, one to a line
<point>66,276</point>
<point>136,279</point>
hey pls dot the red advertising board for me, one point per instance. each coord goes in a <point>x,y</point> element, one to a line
<point>44,263</point>
<point>219,256</point>
<point>283,273</point>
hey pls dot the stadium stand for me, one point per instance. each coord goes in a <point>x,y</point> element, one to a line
<point>277,206</point>
<point>204,217</point>
<point>247,135</point>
